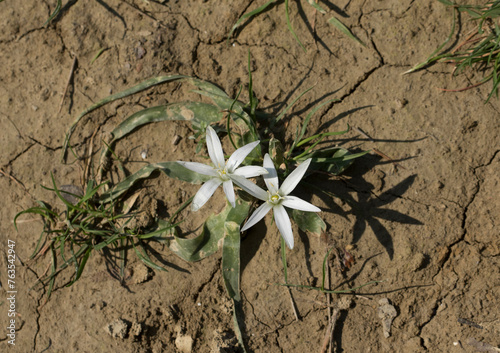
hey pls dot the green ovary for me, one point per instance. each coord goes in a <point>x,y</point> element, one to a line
<point>275,199</point>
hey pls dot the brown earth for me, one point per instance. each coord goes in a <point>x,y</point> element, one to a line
<point>428,229</point>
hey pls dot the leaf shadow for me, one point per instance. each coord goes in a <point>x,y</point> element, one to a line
<point>253,239</point>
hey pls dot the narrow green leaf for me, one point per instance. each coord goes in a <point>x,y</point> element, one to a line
<point>433,57</point>
<point>306,122</point>
<point>332,160</point>
<point>340,26</point>
<point>172,169</point>
<point>282,114</point>
<point>97,55</point>
<point>54,14</point>
<point>144,257</point>
<point>247,16</point>
<point>314,4</point>
<point>137,88</point>
<point>290,28</point>
<point>82,264</point>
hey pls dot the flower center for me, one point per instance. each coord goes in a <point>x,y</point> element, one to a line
<point>223,174</point>
<point>274,199</point>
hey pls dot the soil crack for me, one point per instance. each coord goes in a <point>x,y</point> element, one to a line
<point>19,154</point>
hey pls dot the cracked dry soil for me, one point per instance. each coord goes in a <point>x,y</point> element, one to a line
<point>428,229</point>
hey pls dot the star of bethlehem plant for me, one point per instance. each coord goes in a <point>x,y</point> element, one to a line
<point>103,216</point>
<point>226,173</point>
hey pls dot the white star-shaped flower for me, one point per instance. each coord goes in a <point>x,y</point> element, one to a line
<point>277,198</point>
<point>222,172</point>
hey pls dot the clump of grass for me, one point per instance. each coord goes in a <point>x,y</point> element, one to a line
<point>86,226</point>
<point>317,8</point>
<point>480,49</point>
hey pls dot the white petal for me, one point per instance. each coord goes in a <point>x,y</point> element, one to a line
<point>249,187</point>
<point>229,191</point>
<point>250,171</point>
<point>199,168</point>
<point>206,191</point>
<point>299,204</point>
<point>214,148</point>
<point>257,215</point>
<point>283,224</point>
<point>271,178</point>
<point>239,155</point>
<point>293,179</point>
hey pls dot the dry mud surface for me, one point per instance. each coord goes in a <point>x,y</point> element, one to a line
<point>428,229</point>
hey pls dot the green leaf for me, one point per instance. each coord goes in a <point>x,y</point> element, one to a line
<point>137,88</point>
<point>210,239</point>
<point>282,114</point>
<point>231,272</point>
<point>290,28</point>
<point>247,16</point>
<point>334,21</point>
<point>195,112</point>
<point>172,169</point>
<point>314,4</point>
<point>144,257</point>
<point>309,221</point>
<point>82,264</point>
<point>54,14</point>
<point>332,160</point>
<point>231,259</point>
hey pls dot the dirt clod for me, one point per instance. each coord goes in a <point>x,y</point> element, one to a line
<point>117,329</point>
<point>387,313</point>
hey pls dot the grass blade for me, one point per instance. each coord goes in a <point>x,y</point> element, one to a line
<point>314,4</point>
<point>55,13</point>
<point>282,114</point>
<point>144,257</point>
<point>247,16</point>
<point>290,28</point>
<point>340,26</point>
<point>137,88</point>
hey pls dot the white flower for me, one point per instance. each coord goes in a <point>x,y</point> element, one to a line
<point>277,198</point>
<point>222,172</point>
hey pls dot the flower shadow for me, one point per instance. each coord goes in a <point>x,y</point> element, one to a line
<point>368,207</point>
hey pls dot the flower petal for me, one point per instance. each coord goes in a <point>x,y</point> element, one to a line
<point>294,178</point>
<point>229,191</point>
<point>199,168</point>
<point>239,155</point>
<point>214,148</point>
<point>271,178</point>
<point>250,171</point>
<point>249,187</point>
<point>257,215</point>
<point>283,224</point>
<point>206,191</point>
<point>299,204</point>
